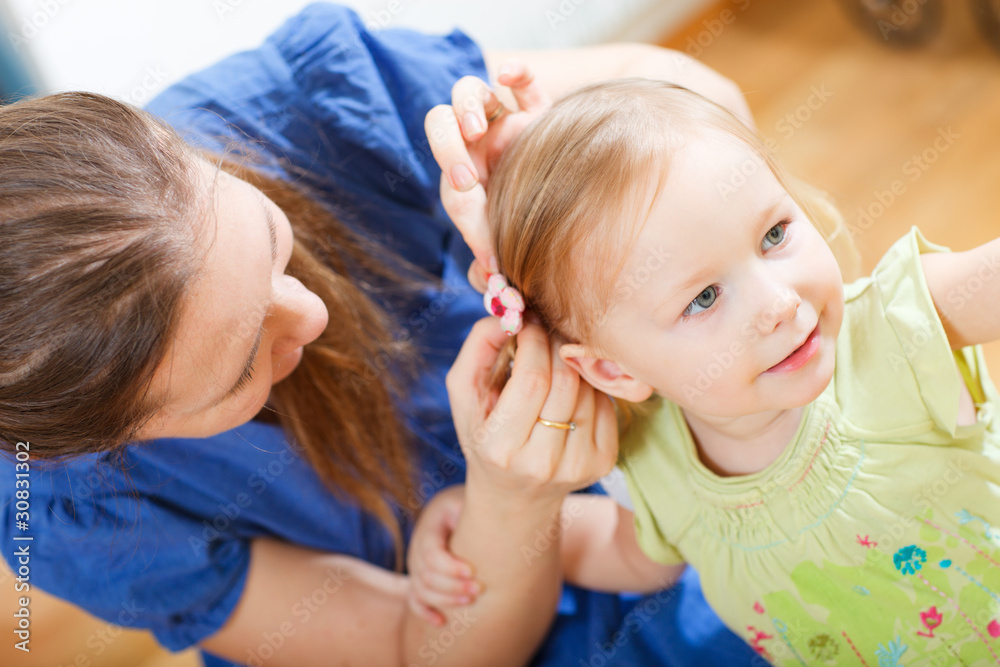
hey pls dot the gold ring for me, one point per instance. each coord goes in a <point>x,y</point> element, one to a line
<point>565,426</point>
<point>496,113</point>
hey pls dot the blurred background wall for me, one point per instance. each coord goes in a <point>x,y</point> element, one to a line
<point>133,49</point>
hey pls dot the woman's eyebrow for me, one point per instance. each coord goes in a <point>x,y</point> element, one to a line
<point>272,233</point>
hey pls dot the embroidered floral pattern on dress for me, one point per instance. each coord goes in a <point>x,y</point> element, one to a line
<point>909,559</point>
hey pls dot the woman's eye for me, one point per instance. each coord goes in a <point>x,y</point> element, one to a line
<point>775,235</point>
<point>703,301</point>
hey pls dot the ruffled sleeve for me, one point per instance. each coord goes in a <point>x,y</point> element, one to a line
<point>896,372</point>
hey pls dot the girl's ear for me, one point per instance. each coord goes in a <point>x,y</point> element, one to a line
<point>603,374</point>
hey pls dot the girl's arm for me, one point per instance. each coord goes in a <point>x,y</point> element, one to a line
<point>600,550</point>
<point>965,287</point>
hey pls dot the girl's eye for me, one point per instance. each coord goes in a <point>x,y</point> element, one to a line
<point>775,235</point>
<point>703,301</point>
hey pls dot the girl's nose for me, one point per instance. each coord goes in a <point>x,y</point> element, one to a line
<point>780,303</point>
<point>298,317</point>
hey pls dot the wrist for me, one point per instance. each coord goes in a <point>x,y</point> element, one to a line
<point>528,508</point>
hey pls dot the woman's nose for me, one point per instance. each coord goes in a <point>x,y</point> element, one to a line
<point>298,317</point>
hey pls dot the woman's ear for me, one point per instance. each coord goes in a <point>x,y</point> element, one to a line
<point>603,374</point>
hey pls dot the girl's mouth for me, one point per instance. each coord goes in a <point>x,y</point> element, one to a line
<point>800,357</point>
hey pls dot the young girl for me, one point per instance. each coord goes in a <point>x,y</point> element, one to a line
<point>824,455</point>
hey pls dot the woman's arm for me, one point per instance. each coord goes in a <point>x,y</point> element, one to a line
<point>305,608</point>
<point>965,287</point>
<point>560,71</point>
<point>519,472</point>
<point>301,607</point>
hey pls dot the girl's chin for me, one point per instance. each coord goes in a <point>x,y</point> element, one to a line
<point>284,365</point>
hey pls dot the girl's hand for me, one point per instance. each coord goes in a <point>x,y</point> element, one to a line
<point>466,147</point>
<point>511,456</point>
<point>437,578</point>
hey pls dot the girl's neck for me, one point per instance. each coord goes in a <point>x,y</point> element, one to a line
<point>730,446</point>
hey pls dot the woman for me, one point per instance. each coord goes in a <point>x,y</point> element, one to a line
<point>213,528</point>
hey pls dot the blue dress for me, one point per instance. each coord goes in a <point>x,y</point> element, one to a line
<point>164,544</point>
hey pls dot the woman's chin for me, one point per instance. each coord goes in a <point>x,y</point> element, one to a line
<point>284,365</point>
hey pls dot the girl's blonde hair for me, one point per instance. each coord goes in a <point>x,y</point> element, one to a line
<point>565,210</point>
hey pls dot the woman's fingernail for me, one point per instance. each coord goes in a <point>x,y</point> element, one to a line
<point>472,124</point>
<point>462,178</point>
<point>473,587</point>
<point>494,267</point>
<point>505,69</point>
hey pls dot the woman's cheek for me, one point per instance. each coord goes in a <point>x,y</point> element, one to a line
<point>284,364</point>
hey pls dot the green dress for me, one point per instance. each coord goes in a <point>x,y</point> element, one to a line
<point>871,540</point>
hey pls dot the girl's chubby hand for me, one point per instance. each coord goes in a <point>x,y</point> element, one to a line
<point>439,579</point>
<point>513,459</point>
<point>466,146</point>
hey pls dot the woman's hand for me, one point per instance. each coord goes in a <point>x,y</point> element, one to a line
<point>466,147</point>
<point>512,456</point>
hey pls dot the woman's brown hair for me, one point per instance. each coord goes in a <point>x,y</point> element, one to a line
<point>98,217</point>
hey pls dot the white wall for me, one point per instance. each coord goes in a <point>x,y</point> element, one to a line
<point>134,48</point>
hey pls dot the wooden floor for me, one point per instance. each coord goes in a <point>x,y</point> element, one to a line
<point>847,112</point>
<point>856,117</point>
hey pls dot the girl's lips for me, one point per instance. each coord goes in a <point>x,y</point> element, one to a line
<point>800,357</point>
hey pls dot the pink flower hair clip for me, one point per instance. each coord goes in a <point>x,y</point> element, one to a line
<point>505,302</point>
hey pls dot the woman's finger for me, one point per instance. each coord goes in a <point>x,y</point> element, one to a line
<point>448,147</point>
<point>593,454</point>
<point>468,211</point>
<point>548,441</point>
<point>474,102</point>
<point>522,397</point>
<point>529,93</point>
<point>467,380</point>
<point>478,277</point>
